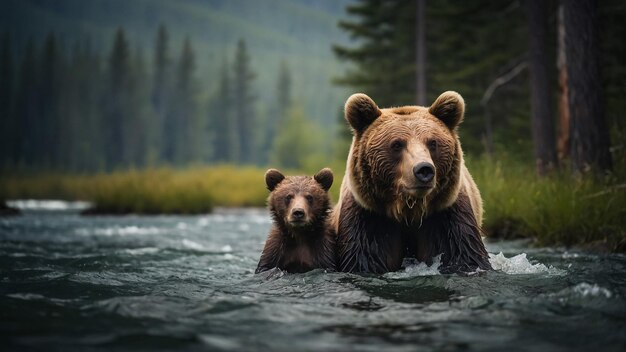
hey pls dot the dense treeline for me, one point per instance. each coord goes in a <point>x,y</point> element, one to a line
<point>78,110</point>
<point>495,54</point>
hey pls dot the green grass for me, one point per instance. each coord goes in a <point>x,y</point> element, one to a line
<point>555,210</point>
<point>163,190</point>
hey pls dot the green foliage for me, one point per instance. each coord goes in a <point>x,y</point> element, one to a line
<point>385,56</point>
<point>469,44</point>
<point>298,143</point>
<point>555,210</point>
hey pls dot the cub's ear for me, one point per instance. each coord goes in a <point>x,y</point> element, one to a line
<point>361,111</point>
<point>449,108</point>
<point>272,178</point>
<point>325,178</point>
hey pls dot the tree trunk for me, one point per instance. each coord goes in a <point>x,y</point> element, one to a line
<point>540,94</point>
<point>589,145</point>
<point>562,144</point>
<point>420,59</point>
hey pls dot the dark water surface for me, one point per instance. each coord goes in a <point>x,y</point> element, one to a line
<point>187,282</point>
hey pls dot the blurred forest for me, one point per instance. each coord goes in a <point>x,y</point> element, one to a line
<point>107,85</point>
<point>104,85</point>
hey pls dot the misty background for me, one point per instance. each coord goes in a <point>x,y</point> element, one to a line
<point>102,85</point>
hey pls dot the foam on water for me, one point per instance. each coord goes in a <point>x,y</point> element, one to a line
<point>189,244</point>
<point>519,264</point>
<point>585,289</point>
<point>141,251</point>
<point>413,268</point>
<point>34,204</point>
<point>119,231</point>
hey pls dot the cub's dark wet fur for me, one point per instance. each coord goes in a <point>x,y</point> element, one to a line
<point>301,238</point>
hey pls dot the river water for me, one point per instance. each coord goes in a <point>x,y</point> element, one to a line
<point>69,282</point>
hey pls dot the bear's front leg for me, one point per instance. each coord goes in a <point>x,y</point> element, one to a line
<point>455,234</point>
<point>367,241</point>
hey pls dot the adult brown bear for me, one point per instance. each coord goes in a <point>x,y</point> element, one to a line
<point>406,191</point>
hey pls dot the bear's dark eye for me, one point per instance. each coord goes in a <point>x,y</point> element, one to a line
<point>432,145</point>
<point>288,198</point>
<point>309,198</point>
<point>397,145</point>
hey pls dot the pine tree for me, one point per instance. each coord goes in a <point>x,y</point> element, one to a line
<point>474,43</point>
<point>589,135</point>
<point>420,55</point>
<point>28,131</point>
<point>83,111</point>
<point>138,127</point>
<point>224,124</point>
<point>116,102</point>
<point>283,90</point>
<point>187,131</point>
<point>244,100</point>
<point>542,121</point>
<point>278,114</point>
<point>161,91</point>
<point>385,56</point>
<point>49,139</point>
<point>7,120</point>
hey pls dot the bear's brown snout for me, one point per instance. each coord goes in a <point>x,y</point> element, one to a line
<point>298,211</point>
<point>424,173</point>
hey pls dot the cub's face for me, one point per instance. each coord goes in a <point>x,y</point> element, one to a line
<point>299,202</point>
<point>404,158</point>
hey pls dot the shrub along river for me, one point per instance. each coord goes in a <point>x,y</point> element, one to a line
<point>69,282</point>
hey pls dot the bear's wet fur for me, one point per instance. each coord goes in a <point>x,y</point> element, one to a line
<point>301,238</point>
<point>406,191</point>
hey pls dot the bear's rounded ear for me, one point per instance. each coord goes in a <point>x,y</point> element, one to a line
<point>361,111</point>
<point>325,178</point>
<point>449,108</point>
<point>272,178</point>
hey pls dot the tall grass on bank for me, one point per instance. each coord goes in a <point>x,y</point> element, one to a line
<point>555,210</point>
<point>152,191</point>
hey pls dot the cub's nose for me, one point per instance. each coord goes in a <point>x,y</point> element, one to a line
<point>424,172</point>
<point>298,213</point>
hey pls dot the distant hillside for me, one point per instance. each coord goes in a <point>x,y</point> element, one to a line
<point>298,31</point>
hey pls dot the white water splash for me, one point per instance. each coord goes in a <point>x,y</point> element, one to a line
<point>413,268</point>
<point>142,251</point>
<point>34,204</point>
<point>119,231</point>
<point>519,264</point>
<point>189,244</point>
<point>585,289</point>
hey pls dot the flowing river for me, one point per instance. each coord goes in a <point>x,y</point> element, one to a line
<point>69,282</point>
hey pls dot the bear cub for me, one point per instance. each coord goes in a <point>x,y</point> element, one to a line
<point>301,238</point>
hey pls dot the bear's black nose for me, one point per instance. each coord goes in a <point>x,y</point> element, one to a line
<point>297,213</point>
<point>424,172</point>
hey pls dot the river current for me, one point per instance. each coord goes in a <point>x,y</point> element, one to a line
<point>71,282</point>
